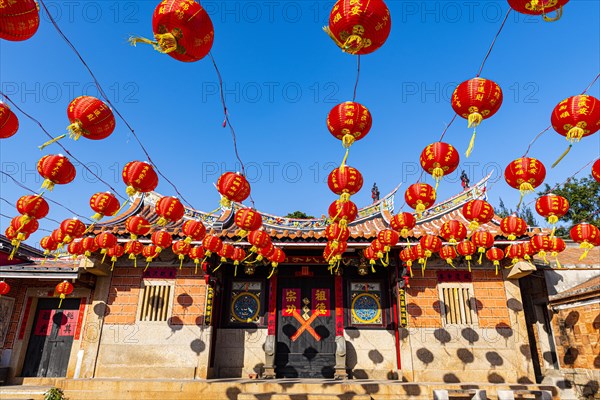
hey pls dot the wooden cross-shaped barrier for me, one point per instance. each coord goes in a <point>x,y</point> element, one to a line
<point>305,325</point>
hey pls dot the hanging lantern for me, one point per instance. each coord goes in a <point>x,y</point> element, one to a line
<point>528,250</point>
<point>258,240</point>
<point>182,29</point>
<point>238,256</point>
<point>407,256</point>
<point>32,207</point>
<point>4,288</point>
<point>359,27</point>
<point>539,7</point>
<point>439,159</point>
<point>420,196</point>
<point>419,254</point>
<point>596,170</point>
<point>336,249</point>
<point>133,248</point>
<point>525,174</point>
<point>586,235</point>
<point>137,226</point>
<point>15,239</point>
<point>105,241</point>
<point>475,100</point>
<point>345,181</point>
<point>48,244</point>
<point>73,229</point>
<point>448,253</point>
<point>336,232</point>
<point>453,231</point>
<point>466,248</point>
<point>342,212</point>
<point>379,249</point>
<point>196,253</point>
<point>403,223</point>
<point>150,252</point>
<point>513,226</point>
<point>247,219</point>
<point>277,257</point>
<point>265,252</point>
<point>211,244</point>
<point>56,170</point>
<point>556,246</point>
<point>234,187</point>
<point>89,245</point>
<point>23,229</point>
<point>169,209</point>
<point>63,289</point>
<point>181,248</point>
<point>388,238</point>
<point>371,255</point>
<point>495,255</point>
<point>140,177</point>
<point>91,118</point>
<point>59,237</point>
<point>114,253</point>
<point>9,123</point>
<point>19,20</point>
<point>483,240</point>
<point>104,204</point>
<point>225,252</point>
<point>552,207</point>
<point>75,248</point>
<point>478,212</point>
<point>161,239</point>
<point>540,244</point>
<point>515,252</point>
<point>430,244</point>
<point>349,122</point>
<point>194,230</point>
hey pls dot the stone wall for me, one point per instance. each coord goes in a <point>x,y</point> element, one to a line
<point>239,353</point>
<point>371,354</point>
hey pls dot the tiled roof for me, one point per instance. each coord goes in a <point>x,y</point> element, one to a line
<point>571,258</point>
<point>590,288</point>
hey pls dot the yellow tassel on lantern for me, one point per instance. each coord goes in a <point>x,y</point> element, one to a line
<point>524,188</point>
<point>181,257</point>
<point>409,267</point>
<point>49,142</point>
<point>555,255</point>
<point>131,191</point>
<point>15,243</point>
<point>48,185</point>
<point>474,225</point>
<point>419,209</point>
<point>114,260</point>
<point>542,254</point>
<point>162,221</point>
<point>76,130</point>
<point>481,252</point>
<point>563,155</point>
<point>437,174</point>
<point>496,263</point>
<point>449,261</point>
<point>274,265</point>
<point>165,43</point>
<point>474,120</point>
<point>587,247</point>
<point>372,262</point>
<point>134,258</point>
<point>62,297</point>
<point>469,258</point>
<point>471,143</point>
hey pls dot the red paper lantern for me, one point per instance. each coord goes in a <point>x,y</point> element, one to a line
<point>225,252</point>
<point>439,159</point>
<point>342,212</point>
<point>4,288</point>
<point>540,244</point>
<point>137,226</point>
<point>150,252</point>
<point>15,239</point>
<point>466,248</point>
<point>233,187</point>
<point>515,252</point>
<point>431,244</point>
<point>114,253</point>
<point>63,289</point>
<point>247,219</point>
<point>73,229</point>
<point>48,244</point>
<point>335,249</point>
<point>182,29</point>
<point>140,177</point>
<point>196,253</point>
<point>420,196</point>
<point>513,226</point>
<point>370,255</point>
<point>378,248</point>
<point>19,20</point>
<point>89,245</point>
<point>408,256</point>
<point>258,240</point>
<point>32,207</point>
<point>482,240</point>
<point>453,231</point>
<point>349,121</point>
<point>539,7</point>
<point>596,170</point>
<point>9,123</point>
<point>556,246</point>
<point>56,170</point>
<point>75,248</point>
<point>194,230</point>
<point>265,252</point>
<point>105,241</point>
<point>211,244</point>
<point>24,228</point>
<point>59,237</point>
<point>238,255</point>
<point>552,207</point>
<point>419,253</point>
<point>133,248</point>
<point>169,209</point>
<point>586,235</point>
<point>478,212</point>
<point>448,253</point>
<point>388,238</point>
<point>528,250</point>
<point>90,118</point>
<point>475,100</point>
<point>359,27</point>
<point>577,117</point>
<point>161,239</point>
<point>277,257</point>
<point>525,174</point>
<point>345,181</point>
<point>181,248</point>
<point>335,232</point>
<point>403,223</point>
<point>104,204</point>
<point>495,255</point>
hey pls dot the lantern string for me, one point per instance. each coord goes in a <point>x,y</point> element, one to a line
<point>494,41</point>
<point>45,197</point>
<point>357,77</point>
<point>591,84</point>
<point>60,144</point>
<point>110,103</point>
<point>447,126</point>
<point>13,206</point>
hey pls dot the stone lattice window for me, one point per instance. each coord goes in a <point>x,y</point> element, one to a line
<point>156,299</point>
<point>457,304</point>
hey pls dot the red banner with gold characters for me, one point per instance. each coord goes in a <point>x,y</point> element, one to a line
<point>290,301</point>
<point>320,302</point>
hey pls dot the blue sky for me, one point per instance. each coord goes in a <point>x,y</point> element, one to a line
<point>282,76</point>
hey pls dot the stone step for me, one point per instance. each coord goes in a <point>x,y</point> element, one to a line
<point>23,392</point>
<point>302,396</point>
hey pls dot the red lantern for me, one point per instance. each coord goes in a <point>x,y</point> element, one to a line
<point>133,248</point>
<point>371,255</point>
<point>453,231</point>
<point>59,237</point>
<point>403,223</point>
<point>196,253</point>
<point>557,245</point>
<point>495,255</point>
<point>15,239</point>
<point>430,244</point>
<point>89,245</point>
<point>150,252</point>
<point>56,170</point>
<point>482,240</point>
<point>19,20</point>
<point>335,249</point>
<point>277,257</point>
<point>475,100</point>
<point>24,228</point>
<point>9,123</point>
<point>104,204</point>
<point>140,177</point>
<point>238,255</point>
<point>539,7</point>
<point>378,248</point>
<point>586,235</point>
<point>596,170</point>
<point>448,253</point>
<point>105,241</point>
<point>335,232</point>
<point>90,118</point>
<point>265,252</point>
<point>552,207</point>
<point>540,244</point>
<point>63,289</point>
<point>439,159</point>
<point>466,248</point>
<point>48,244</point>
<point>407,256</point>
<point>32,207</point>
<point>181,248</point>
<point>194,230</point>
<point>182,29</point>
<point>528,250</point>
<point>247,219</point>
<point>513,226</point>
<point>161,239</point>
<point>4,288</point>
<point>233,187</point>
<point>478,212</point>
<point>349,121</point>
<point>525,174</point>
<point>419,253</point>
<point>225,252</point>
<point>137,226</point>
<point>345,181</point>
<point>211,244</point>
<point>577,117</point>
<point>388,238</point>
<point>359,27</point>
<point>75,248</point>
<point>73,229</point>
<point>258,240</point>
<point>420,196</point>
<point>114,253</point>
<point>342,212</point>
<point>169,209</point>
<point>515,252</point>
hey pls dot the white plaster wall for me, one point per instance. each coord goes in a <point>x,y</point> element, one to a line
<point>239,352</point>
<point>558,281</point>
<point>371,354</point>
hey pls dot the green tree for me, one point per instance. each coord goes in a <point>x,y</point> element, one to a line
<point>526,213</point>
<point>299,215</point>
